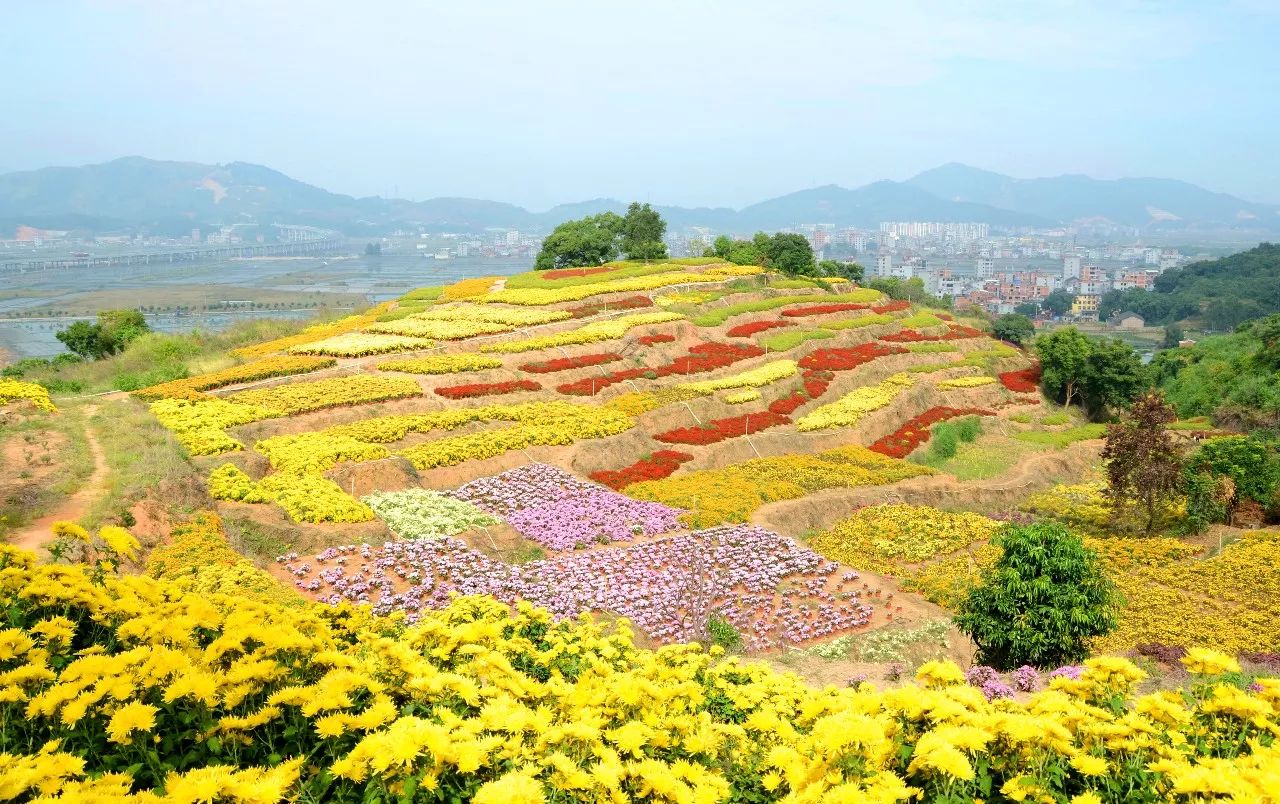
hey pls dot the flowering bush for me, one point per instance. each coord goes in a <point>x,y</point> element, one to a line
<point>468,288</point>
<point>718,430</point>
<point>563,273</point>
<point>441,364</point>
<point>920,321</point>
<point>537,297</point>
<point>592,516</point>
<point>472,390</point>
<point>457,322</point>
<point>756,327</point>
<point>741,397</point>
<point>361,344</point>
<point>315,332</point>
<point>660,464</point>
<point>305,498</point>
<point>955,332</point>
<point>609,329</point>
<point>855,405</point>
<point>200,424</point>
<point>424,514</point>
<point>757,377</point>
<point>12,390</point>
<point>734,492</point>
<point>224,692</point>
<point>916,430</point>
<point>567,363</point>
<point>267,367</point>
<point>316,452</point>
<point>892,306</point>
<point>717,316</point>
<point>1023,381</point>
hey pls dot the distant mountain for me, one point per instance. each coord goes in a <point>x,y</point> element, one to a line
<point>167,196</point>
<point>1159,203</point>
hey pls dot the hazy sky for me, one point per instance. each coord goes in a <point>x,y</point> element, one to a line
<point>717,103</point>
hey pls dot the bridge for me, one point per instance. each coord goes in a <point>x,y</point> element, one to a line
<point>328,245</point>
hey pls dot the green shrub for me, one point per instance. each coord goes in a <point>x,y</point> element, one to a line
<point>1041,603</point>
<point>721,632</point>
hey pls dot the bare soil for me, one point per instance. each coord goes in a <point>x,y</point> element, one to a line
<point>36,534</point>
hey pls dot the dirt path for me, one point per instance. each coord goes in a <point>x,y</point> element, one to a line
<point>36,534</point>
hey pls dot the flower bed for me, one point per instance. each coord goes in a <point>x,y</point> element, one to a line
<point>756,327</point>
<point>564,273</point>
<point>757,377</point>
<point>732,493</point>
<point>660,464</point>
<point>361,344</point>
<point>537,297</point>
<point>742,397</point>
<point>967,382</point>
<point>468,288</point>
<point>789,404</point>
<point>955,332</point>
<point>855,405</point>
<point>718,430</point>
<point>12,390</point>
<point>915,431</point>
<point>702,358</point>
<point>609,329</point>
<point>424,514</point>
<point>847,358</point>
<point>894,306</point>
<point>305,498</point>
<point>889,538</point>
<point>567,363</point>
<point>442,364</point>
<point>736,571</point>
<point>301,397</point>
<point>472,390</point>
<point>823,309</point>
<point>267,367</point>
<point>625,303</point>
<point>1022,381</point>
<point>654,340</point>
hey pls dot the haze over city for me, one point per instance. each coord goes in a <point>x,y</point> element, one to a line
<point>676,103</point>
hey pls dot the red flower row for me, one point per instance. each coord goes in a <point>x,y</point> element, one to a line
<point>564,273</point>
<point>789,404</point>
<point>487,389</point>
<point>626,303</point>
<point>846,358</point>
<point>895,306</point>
<point>720,429</point>
<point>903,441</point>
<point>650,340</point>
<point>1023,381</point>
<point>657,466</point>
<point>566,363</point>
<point>755,327</point>
<point>955,332</point>
<point>701,358</point>
<point>822,309</point>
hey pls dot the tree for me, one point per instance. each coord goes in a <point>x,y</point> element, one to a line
<point>1101,375</point>
<point>1014,328</point>
<point>848,270</point>
<point>1234,469</point>
<point>1113,377</point>
<point>789,253</point>
<point>1064,360</point>
<point>1173,335</point>
<point>588,241</point>
<point>373,249</point>
<point>1042,601</point>
<point>1057,302</point>
<point>111,334</point>
<point>642,232</point>
<point>1143,461</point>
<point>1029,309</point>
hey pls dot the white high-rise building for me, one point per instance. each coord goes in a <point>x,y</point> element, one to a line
<point>1071,267</point>
<point>986,267</point>
<point>884,265</point>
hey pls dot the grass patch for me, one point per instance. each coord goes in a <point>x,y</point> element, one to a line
<point>54,441</point>
<point>861,321</point>
<point>790,339</point>
<point>920,321</point>
<point>949,435</point>
<point>142,456</point>
<point>1062,438</point>
<point>256,540</point>
<point>1054,419</point>
<point>981,460</point>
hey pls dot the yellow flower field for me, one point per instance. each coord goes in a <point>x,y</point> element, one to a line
<point>12,390</point>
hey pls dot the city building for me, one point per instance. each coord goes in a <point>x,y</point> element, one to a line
<point>884,264</point>
<point>1085,305</point>
<point>1071,267</point>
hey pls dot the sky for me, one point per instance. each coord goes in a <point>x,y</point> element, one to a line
<point>686,102</point>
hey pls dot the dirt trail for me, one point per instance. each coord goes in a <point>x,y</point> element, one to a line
<point>36,534</point>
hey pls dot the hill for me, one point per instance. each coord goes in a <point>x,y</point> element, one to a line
<point>1222,293</point>
<point>1140,202</point>
<point>134,191</point>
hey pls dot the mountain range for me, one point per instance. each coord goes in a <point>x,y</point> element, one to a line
<point>135,192</point>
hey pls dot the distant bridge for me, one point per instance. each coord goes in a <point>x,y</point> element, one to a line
<point>299,248</point>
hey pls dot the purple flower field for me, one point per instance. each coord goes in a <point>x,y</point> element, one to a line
<point>774,591</point>
<point>560,512</point>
